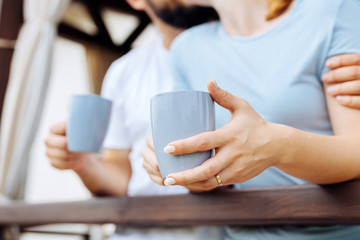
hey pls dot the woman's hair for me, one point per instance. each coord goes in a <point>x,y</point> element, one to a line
<point>277,7</point>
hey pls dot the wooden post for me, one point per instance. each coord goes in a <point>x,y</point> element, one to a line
<point>11,19</point>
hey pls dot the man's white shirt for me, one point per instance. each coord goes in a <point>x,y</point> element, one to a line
<point>130,83</point>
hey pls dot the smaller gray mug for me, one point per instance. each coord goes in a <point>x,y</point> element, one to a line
<point>88,120</point>
<point>179,115</point>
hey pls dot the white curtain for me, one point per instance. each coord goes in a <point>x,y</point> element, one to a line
<point>26,91</point>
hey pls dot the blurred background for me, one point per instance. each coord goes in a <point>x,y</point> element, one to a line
<point>91,35</point>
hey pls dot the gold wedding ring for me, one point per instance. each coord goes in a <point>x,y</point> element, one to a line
<point>218,179</point>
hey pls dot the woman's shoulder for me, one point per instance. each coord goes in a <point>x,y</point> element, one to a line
<point>327,8</point>
<point>197,34</point>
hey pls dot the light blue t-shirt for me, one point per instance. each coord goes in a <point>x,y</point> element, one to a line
<point>277,72</point>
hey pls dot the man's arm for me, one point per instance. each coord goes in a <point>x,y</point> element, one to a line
<point>106,175</point>
<point>344,79</point>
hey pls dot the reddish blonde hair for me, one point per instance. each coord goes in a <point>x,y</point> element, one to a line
<point>277,7</point>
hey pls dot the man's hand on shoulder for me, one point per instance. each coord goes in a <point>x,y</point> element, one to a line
<point>344,79</point>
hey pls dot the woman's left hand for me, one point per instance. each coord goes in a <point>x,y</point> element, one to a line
<point>244,148</point>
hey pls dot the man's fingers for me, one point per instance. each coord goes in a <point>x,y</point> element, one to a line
<point>59,164</point>
<point>151,169</point>
<point>343,60</point>
<point>57,153</point>
<point>349,101</point>
<point>150,141</point>
<point>157,179</point>
<point>198,143</point>
<point>342,74</point>
<point>150,162</point>
<point>59,128</point>
<point>56,141</point>
<point>345,88</point>
<point>150,157</point>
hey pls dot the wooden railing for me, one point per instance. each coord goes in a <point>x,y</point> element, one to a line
<point>295,205</point>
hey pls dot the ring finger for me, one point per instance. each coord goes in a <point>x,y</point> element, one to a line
<point>208,184</point>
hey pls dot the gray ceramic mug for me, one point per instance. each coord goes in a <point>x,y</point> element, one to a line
<point>179,115</point>
<point>88,120</point>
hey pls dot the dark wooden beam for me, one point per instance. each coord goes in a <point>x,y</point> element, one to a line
<point>295,205</point>
<point>10,23</point>
<point>103,38</point>
<point>119,5</point>
<point>143,23</point>
<point>95,9</point>
<point>74,34</point>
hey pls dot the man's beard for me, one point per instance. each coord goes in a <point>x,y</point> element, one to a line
<point>184,17</point>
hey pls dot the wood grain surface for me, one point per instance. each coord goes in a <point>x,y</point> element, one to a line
<point>295,205</point>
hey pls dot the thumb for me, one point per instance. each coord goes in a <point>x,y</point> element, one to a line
<point>222,97</point>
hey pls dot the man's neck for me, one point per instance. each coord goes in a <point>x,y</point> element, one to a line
<point>247,20</point>
<point>168,32</point>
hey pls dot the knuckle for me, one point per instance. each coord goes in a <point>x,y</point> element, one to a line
<point>144,164</point>
<point>47,141</point>
<point>201,142</point>
<point>339,60</point>
<point>143,153</point>
<point>357,87</point>
<point>338,88</point>
<point>242,102</point>
<point>357,59</point>
<point>156,180</point>
<point>351,101</point>
<point>356,72</point>
<point>54,163</point>
<point>209,171</point>
<point>225,94</point>
<point>63,143</point>
<point>48,153</point>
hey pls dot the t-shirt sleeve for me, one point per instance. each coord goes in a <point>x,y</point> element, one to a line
<point>346,31</point>
<point>117,134</point>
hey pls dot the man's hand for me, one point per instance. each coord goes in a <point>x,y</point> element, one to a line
<point>150,163</point>
<point>57,150</point>
<point>344,79</point>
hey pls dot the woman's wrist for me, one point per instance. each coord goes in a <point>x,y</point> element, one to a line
<point>283,144</point>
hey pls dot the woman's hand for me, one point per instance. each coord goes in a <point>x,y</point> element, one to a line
<point>244,148</point>
<point>344,79</point>
<point>150,163</point>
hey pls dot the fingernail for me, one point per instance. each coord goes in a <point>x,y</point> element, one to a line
<point>169,149</point>
<point>331,89</point>
<point>169,181</point>
<point>326,77</point>
<point>213,81</point>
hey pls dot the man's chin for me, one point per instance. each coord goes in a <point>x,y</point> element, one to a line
<point>180,15</point>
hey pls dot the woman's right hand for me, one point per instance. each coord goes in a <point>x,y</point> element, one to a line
<point>58,153</point>
<point>150,162</point>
